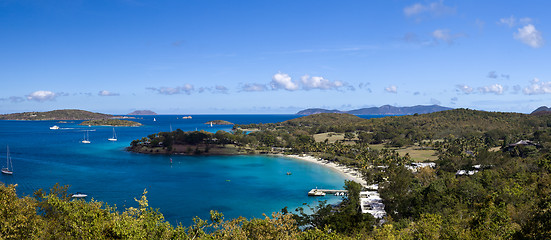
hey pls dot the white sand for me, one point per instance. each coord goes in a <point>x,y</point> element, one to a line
<point>348,173</point>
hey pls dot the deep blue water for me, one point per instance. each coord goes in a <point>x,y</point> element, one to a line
<point>191,186</point>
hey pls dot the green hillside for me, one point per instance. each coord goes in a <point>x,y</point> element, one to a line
<point>66,114</point>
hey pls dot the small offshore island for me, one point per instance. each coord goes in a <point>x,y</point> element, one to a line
<point>111,122</point>
<point>219,122</point>
<point>142,112</point>
<point>91,118</point>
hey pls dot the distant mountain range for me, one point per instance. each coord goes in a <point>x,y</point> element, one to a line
<point>543,110</point>
<point>383,110</point>
<point>142,112</point>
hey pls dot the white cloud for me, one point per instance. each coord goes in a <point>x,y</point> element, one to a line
<point>435,8</point>
<point>253,87</point>
<point>364,85</point>
<point>319,83</point>
<point>214,90</point>
<point>168,90</point>
<point>513,21</point>
<point>537,87</point>
<point>13,99</point>
<point>221,89</point>
<point>492,74</point>
<point>510,21</point>
<point>442,34</point>
<point>480,24</point>
<point>107,93</point>
<point>414,9</point>
<point>530,36</point>
<point>392,89</point>
<point>187,89</point>
<point>516,89</point>
<point>283,81</point>
<point>41,96</point>
<point>495,88</point>
<point>445,35</point>
<point>464,88</point>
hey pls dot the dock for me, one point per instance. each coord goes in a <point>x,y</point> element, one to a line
<point>322,192</point>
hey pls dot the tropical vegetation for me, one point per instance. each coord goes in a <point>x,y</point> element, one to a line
<point>504,195</point>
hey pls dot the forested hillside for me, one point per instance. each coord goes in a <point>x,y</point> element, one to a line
<point>67,114</point>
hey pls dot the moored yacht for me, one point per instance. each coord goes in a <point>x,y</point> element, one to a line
<point>9,166</point>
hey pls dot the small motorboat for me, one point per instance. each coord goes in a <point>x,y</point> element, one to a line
<point>54,127</point>
<point>79,195</point>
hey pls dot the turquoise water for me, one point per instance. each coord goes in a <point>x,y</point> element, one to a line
<point>191,186</point>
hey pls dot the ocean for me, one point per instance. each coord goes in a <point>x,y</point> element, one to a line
<point>190,186</point>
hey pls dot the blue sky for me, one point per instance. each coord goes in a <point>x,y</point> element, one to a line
<point>193,57</point>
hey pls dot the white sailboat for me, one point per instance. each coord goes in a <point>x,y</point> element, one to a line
<point>86,140</point>
<point>7,169</point>
<point>114,138</point>
<point>154,120</point>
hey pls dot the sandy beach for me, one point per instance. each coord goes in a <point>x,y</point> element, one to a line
<point>348,173</point>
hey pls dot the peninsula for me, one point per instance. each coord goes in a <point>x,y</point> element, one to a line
<point>65,114</point>
<point>111,122</point>
<point>190,143</point>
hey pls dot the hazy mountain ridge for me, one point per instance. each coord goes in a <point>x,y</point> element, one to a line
<point>311,111</point>
<point>383,110</point>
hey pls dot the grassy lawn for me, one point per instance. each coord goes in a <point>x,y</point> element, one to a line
<point>417,154</point>
<point>330,136</point>
<point>378,146</point>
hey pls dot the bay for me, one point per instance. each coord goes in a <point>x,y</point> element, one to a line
<point>189,186</point>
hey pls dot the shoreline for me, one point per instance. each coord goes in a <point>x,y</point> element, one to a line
<point>347,172</point>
